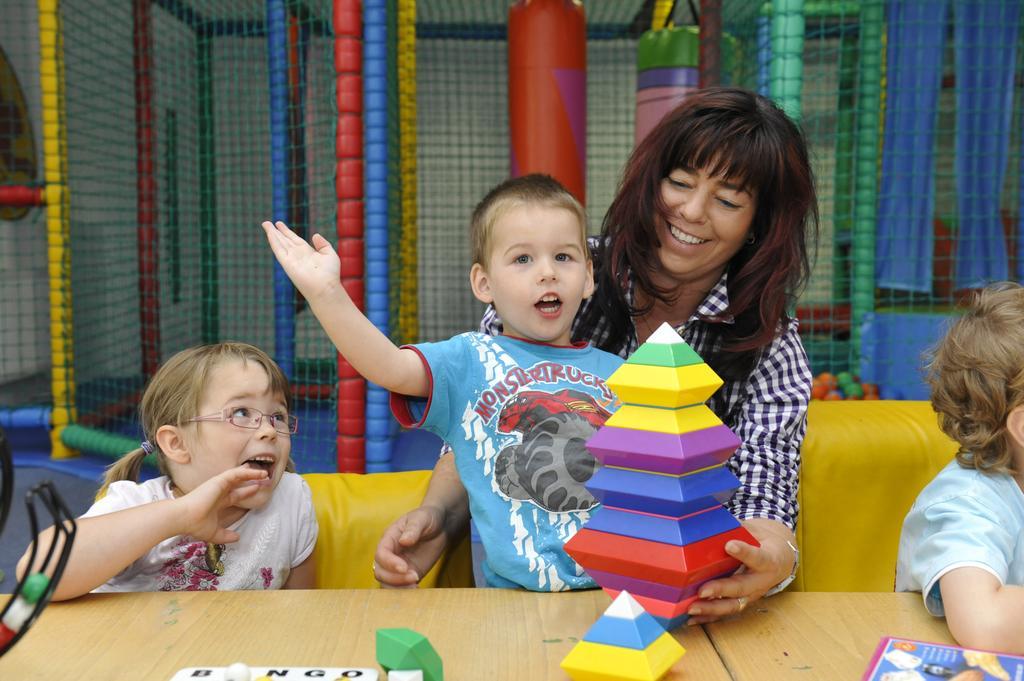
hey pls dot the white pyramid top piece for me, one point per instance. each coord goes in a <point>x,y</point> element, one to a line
<point>624,607</point>
<point>665,335</point>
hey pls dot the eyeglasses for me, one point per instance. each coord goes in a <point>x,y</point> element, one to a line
<point>251,418</point>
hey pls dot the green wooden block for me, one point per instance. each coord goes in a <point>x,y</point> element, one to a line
<point>405,649</point>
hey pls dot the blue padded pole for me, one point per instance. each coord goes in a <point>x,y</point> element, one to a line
<point>375,121</point>
<point>277,62</point>
<point>986,53</point>
<point>25,417</point>
<point>1020,225</point>
<point>907,197</point>
<point>764,54</point>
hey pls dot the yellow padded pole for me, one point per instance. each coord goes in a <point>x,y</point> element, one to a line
<point>660,14</point>
<point>408,315</point>
<point>51,81</point>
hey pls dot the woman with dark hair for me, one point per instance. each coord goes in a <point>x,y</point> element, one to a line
<point>708,232</point>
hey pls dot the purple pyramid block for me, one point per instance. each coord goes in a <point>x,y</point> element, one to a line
<point>642,587</point>
<point>663,452</point>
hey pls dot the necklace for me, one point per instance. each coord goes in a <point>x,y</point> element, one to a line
<point>645,319</point>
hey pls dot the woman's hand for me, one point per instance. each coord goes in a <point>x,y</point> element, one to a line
<point>409,547</point>
<point>762,569</point>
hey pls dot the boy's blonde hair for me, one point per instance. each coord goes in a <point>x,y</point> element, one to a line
<point>175,392</point>
<point>528,189</point>
<point>976,374</point>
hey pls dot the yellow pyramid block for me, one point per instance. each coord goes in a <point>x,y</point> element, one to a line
<point>674,421</point>
<point>600,662</point>
<point>664,386</point>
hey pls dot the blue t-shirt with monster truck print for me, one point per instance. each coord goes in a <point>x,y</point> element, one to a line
<point>518,414</point>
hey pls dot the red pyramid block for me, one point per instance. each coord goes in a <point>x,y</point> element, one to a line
<point>656,561</point>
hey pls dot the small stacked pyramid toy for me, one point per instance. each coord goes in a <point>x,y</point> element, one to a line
<point>624,643</point>
<point>662,529</point>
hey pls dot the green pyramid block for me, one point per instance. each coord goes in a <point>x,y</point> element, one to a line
<point>665,355</point>
<point>405,649</point>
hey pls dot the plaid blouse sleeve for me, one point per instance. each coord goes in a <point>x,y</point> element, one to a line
<point>770,418</point>
<point>490,323</point>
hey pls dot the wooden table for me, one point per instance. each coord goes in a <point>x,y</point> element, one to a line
<point>491,634</point>
<point>812,636</point>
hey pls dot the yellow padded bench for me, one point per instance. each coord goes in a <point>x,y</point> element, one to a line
<point>353,510</point>
<point>863,464</point>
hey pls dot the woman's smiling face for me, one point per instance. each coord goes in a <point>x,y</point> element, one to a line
<point>708,222</point>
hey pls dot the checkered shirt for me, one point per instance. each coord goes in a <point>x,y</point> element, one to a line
<point>767,411</point>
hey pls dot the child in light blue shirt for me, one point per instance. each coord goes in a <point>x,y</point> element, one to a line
<point>962,544</point>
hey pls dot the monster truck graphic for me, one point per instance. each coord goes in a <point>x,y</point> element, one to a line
<point>551,464</point>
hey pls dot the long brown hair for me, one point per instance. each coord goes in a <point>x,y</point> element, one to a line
<point>746,138</point>
<point>175,392</point>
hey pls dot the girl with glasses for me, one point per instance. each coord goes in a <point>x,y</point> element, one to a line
<point>228,511</point>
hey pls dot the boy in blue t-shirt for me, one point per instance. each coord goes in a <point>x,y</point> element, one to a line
<point>516,408</point>
<point>962,543</point>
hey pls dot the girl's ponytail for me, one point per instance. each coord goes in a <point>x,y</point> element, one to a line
<point>128,467</point>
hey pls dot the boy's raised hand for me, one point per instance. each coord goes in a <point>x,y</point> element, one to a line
<point>200,514</point>
<point>315,269</point>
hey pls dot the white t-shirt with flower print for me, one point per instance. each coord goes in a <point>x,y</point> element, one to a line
<point>274,539</point>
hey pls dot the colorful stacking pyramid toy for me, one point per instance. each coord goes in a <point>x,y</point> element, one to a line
<point>624,643</point>
<point>662,529</point>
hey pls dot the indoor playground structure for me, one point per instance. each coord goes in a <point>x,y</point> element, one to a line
<point>143,142</point>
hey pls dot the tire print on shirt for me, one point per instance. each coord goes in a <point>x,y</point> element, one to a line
<point>551,464</point>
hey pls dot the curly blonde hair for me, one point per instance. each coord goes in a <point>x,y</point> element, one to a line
<point>976,374</point>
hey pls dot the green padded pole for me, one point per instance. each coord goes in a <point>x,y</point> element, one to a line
<point>843,186</point>
<point>209,304</point>
<point>99,442</point>
<point>831,8</point>
<point>869,106</point>
<point>787,66</point>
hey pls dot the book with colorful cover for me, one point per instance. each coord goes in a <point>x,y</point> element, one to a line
<point>900,659</point>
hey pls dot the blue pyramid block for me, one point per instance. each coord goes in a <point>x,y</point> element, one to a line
<point>673,495</point>
<point>665,529</point>
<point>625,633</point>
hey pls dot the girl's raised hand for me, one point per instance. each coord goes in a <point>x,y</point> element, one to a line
<point>201,507</point>
<point>315,269</point>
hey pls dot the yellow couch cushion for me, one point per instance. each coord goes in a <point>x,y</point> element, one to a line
<point>353,511</point>
<point>863,464</point>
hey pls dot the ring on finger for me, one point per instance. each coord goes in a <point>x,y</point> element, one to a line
<point>742,602</point>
